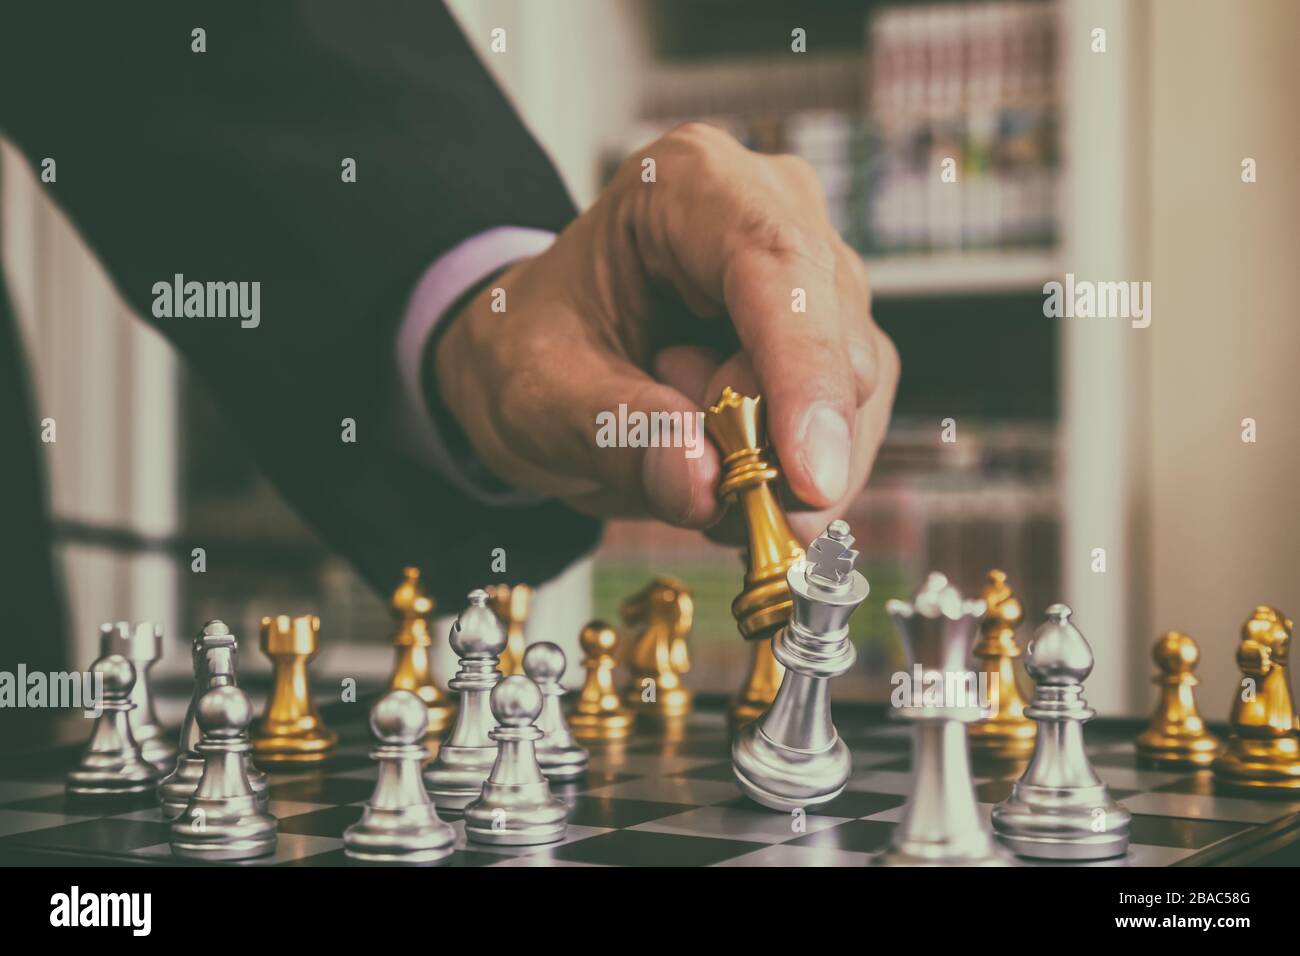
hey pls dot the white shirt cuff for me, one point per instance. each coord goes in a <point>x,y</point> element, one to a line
<point>450,276</point>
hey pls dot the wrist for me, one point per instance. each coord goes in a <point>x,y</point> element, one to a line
<point>442,375</point>
<point>456,374</point>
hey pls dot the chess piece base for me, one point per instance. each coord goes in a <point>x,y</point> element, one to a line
<point>594,728</point>
<point>410,835</point>
<point>672,704</point>
<point>516,815</point>
<point>1259,766</point>
<point>114,780</point>
<point>1002,739</point>
<point>275,746</point>
<point>1049,823</point>
<point>456,778</point>
<point>237,830</point>
<point>782,778</point>
<point>563,763</point>
<point>977,853</point>
<point>1175,750</point>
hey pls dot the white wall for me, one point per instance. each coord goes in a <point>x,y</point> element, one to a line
<point>1104,137</point>
<point>1225,516</point>
<point>571,69</point>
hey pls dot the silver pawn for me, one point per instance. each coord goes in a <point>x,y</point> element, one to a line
<point>943,825</point>
<point>223,820</point>
<point>399,823</point>
<point>215,655</point>
<point>467,755</point>
<point>516,807</point>
<point>559,756</point>
<point>112,763</point>
<point>792,756</point>
<point>143,647</point>
<point>1060,809</point>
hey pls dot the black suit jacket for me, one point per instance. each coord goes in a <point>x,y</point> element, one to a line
<point>225,165</point>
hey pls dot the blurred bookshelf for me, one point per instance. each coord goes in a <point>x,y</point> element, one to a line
<point>885,94</point>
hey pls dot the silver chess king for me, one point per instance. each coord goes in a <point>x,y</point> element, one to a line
<point>792,756</point>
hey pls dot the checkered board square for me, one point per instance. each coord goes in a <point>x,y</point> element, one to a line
<point>653,800</point>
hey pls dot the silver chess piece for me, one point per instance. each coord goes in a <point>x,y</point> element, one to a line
<point>516,807</point>
<point>112,763</point>
<point>466,757</point>
<point>143,647</point>
<point>215,656</point>
<point>560,757</point>
<point>943,825</point>
<point>1060,809</point>
<point>400,823</point>
<point>792,756</point>
<point>222,820</point>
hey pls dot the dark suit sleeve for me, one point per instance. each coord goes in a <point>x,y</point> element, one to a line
<point>225,166</point>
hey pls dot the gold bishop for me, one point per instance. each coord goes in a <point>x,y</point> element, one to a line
<point>412,646</point>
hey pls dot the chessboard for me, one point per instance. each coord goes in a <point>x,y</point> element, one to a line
<point>656,799</point>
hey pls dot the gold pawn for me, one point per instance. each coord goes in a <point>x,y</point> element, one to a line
<point>664,610</point>
<point>291,731</point>
<point>413,669</point>
<point>1263,753</point>
<point>511,606</point>
<point>1006,734</point>
<point>737,426</point>
<point>1176,734</point>
<point>599,714</point>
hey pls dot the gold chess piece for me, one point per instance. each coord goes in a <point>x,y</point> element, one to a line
<point>737,426</point>
<point>511,606</point>
<point>291,731</point>
<point>1177,734</point>
<point>1263,753</point>
<point>413,669</point>
<point>664,610</point>
<point>1006,734</point>
<point>599,714</point>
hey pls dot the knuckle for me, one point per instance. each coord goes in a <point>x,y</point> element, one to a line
<point>787,241</point>
<point>887,356</point>
<point>700,146</point>
<point>801,170</point>
<point>695,134</point>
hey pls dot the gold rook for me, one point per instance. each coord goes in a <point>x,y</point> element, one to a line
<point>291,731</point>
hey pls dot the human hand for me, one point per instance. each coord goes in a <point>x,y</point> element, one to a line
<point>656,297</point>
